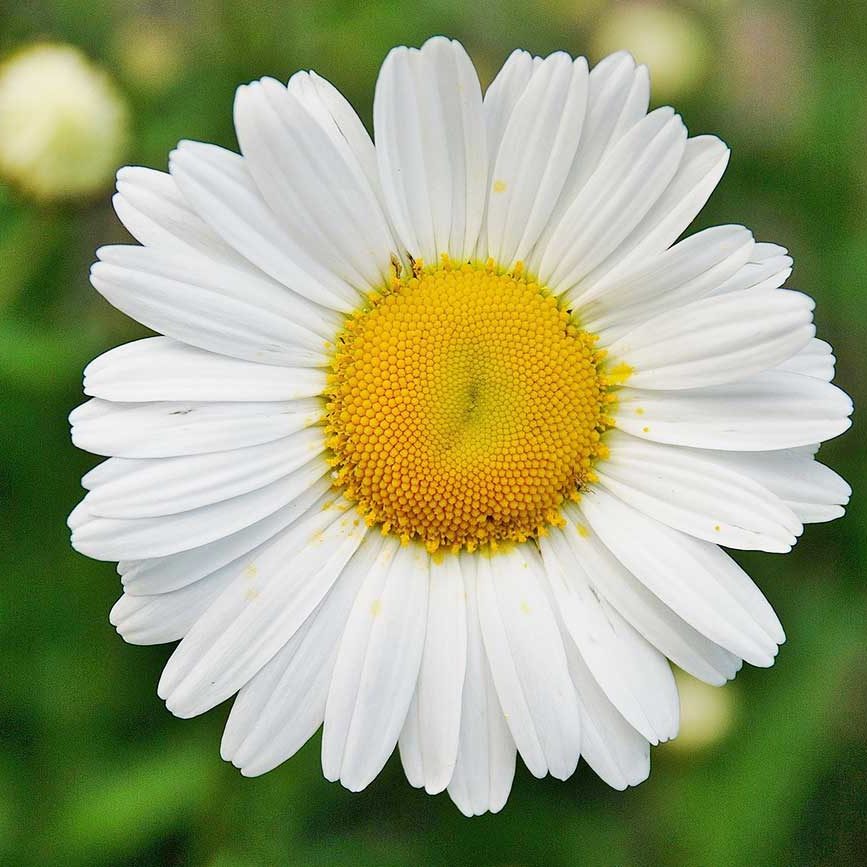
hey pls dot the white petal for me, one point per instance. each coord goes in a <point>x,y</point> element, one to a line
<point>433,721</point>
<point>158,368</point>
<point>632,673</point>
<point>485,764</point>
<point>816,359</point>
<point>171,428</point>
<point>528,662</point>
<point>377,666</point>
<point>768,268</point>
<point>684,273</point>
<point>695,579</point>
<point>612,747</point>
<point>617,99</point>
<point>259,612</point>
<point>773,410</point>
<point>136,538</point>
<point>156,214</point>
<point>503,94</point>
<point>534,156</point>
<point>162,574</point>
<point>330,107</point>
<point>210,306</point>
<point>168,616</point>
<point>307,172</point>
<point>664,629</point>
<point>282,706</point>
<point>629,179</point>
<point>690,491</point>
<point>136,488</point>
<point>716,340</point>
<point>430,143</point>
<point>704,161</point>
<point>218,185</point>
<point>813,491</point>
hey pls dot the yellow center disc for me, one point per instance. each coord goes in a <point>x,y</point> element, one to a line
<point>464,407</point>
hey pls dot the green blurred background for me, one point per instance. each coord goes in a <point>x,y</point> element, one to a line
<point>94,771</point>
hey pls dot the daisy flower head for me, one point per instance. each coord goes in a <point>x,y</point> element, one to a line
<point>444,434</point>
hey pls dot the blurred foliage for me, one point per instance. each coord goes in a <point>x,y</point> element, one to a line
<point>94,770</point>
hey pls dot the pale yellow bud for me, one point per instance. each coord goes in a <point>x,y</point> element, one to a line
<point>63,123</point>
<point>706,713</point>
<point>670,41</point>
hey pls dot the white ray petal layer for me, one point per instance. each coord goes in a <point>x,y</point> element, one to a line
<point>528,663</point>
<point>158,368</point>
<point>163,429</point>
<point>259,612</point>
<point>632,673</point>
<point>690,491</point>
<point>430,143</point>
<point>694,578</point>
<point>773,410</point>
<point>485,765</point>
<point>429,740</point>
<point>282,706</point>
<point>377,666</point>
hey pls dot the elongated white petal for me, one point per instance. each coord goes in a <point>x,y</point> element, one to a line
<point>690,491</point>
<point>716,340</point>
<point>695,579</point>
<point>617,99</point>
<point>668,632</point>
<point>168,293</point>
<point>628,180</point>
<point>502,96</point>
<point>158,368</point>
<point>137,538</point>
<point>168,616</point>
<point>773,410</point>
<point>156,214</point>
<point>813,491</point>
<point>155,575</point>
<point>816,359</point>
<point>308,174</point>
<point>769,267</point>
<point>485,765</point>
<point>430,143</point>
<point>377,666</point>
<point>171,428</point>
<point>612,747</point>
<point>259,612</point>
<point>528,663</point>
<point>686,272</point>
<point>429,741</point>
<point>278,711</point>
<point>632,673</point>
<point>218,185</point>
<point>168,486</point>
<point>704,161</point>
<point>528,170</point>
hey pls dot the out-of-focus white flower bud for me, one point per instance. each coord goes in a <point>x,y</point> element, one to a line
<point>706,713</point>
<point>670,41</point>
<point>63,123</point>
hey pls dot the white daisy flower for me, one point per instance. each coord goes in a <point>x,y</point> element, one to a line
<point>444,435</point>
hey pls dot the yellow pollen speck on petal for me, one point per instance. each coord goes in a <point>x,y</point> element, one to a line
<point>251,571</point>
<point>465,406</point>
<point>583,532</point>
<point>375,608</point>
<point>500,186</point>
